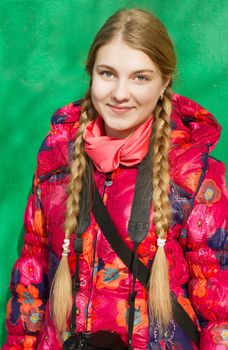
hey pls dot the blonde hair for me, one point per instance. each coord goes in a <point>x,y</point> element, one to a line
<point>143,31</point>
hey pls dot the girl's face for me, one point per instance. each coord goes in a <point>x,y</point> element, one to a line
<point>126,86</point>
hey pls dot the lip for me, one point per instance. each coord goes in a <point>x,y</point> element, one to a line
<point>119,109</point>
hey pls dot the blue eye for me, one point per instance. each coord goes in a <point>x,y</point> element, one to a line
<point>142,77</point>
<point>107,74</point>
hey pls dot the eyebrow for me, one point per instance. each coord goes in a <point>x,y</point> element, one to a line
<point>135,72</point>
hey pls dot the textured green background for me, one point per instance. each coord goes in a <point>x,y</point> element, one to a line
<point>43,50</point>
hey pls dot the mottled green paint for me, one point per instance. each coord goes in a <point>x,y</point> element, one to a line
<point>43,50</point>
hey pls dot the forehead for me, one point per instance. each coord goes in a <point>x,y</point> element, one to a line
<point>119,56</point>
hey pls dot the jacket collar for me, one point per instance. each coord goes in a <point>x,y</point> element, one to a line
<point>195,133</point>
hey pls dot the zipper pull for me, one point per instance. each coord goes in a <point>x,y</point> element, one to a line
<point>108,181</point>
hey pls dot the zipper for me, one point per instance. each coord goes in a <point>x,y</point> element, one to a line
<point>61,169</point>
<point>107,183</point>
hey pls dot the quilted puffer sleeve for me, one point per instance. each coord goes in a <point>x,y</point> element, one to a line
<point>206,251</point>
<point>28,284</point>
<point>29,281</point>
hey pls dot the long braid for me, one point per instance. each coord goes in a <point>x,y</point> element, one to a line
<point>77,170</point>
<point>159,289</point>
<point>61,291</point>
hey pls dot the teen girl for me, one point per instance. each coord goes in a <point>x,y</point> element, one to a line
<point>146,150</point>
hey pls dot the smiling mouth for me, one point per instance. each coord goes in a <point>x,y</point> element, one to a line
<point>120,108</point>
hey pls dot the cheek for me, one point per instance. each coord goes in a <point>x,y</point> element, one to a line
<point>95,91</point>
<point>99,90</point>
<point>147,97</point>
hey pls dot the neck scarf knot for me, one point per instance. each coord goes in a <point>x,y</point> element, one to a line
<point>107,153</point>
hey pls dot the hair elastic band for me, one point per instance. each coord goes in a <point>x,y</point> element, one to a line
<point>161,242</point>
<point>65,246</point>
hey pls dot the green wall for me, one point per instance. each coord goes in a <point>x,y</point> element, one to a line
<point>43,50</point>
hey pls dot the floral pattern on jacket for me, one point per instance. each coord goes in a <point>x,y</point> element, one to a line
<point>196,247</point>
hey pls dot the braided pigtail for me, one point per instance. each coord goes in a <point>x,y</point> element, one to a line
<point>61,291</point>
<point>159,289</point>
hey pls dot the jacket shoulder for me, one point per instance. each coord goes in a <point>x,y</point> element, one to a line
<point>213,188</point>
<point>67,114</point>
<point>56,149</point>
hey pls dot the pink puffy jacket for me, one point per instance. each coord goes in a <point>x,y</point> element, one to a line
<point>196,246</point>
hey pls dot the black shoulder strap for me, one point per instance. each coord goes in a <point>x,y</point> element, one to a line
<point>138,225</point>
<point>110,232</point>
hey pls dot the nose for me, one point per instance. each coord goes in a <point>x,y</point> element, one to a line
<point>121,91</point>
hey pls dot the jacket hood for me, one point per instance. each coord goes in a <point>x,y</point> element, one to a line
<point>199,125</point>
<point>195,133</point>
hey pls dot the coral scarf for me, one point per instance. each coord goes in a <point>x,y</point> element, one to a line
<point>107,153</point>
